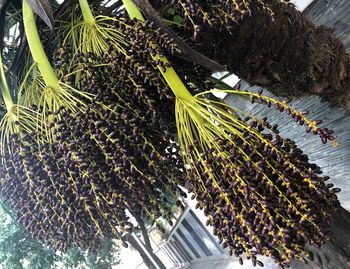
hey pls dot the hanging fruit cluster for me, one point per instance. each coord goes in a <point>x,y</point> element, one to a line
<point>100,159</point>
<point>110,147</point>
<point>75,191</point>
<point>215,14</point>
<point>259,190</point>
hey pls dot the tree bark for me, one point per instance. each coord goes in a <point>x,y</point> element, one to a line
<point>147,241</point>
<point>144,232</point>
<point>139,249</point>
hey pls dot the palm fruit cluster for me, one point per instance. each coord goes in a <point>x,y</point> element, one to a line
<point>113,155</point>
<point>215,14</point>
<point>129,66</point>
<point>75,191</point>
<point>53,203</point>
<point>228,198</point>
<point>260,192</point>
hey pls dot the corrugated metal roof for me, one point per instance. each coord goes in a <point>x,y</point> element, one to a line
<point>333,13</point>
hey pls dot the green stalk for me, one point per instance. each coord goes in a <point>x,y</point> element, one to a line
<point>132,10</point>
<point>36,47</point>
<point>5,91</point>
<point>170,75</point>
<point>86,11</point>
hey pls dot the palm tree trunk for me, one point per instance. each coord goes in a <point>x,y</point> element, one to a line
<point>142,253</point>
<point>147,241</point>
<point>145,253</point>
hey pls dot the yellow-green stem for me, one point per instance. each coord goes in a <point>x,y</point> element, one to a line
<point>86,11</point>
<point>170,75</point>
<point>36,47</point>
<point>5,91</point>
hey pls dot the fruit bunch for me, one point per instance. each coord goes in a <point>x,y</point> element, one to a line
<point>100,159</point>
<point>76,191</point>
<point>111,148</point>
<point>259,190</point>
<point>214,14</point>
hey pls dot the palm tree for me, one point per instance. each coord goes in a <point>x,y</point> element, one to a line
<point>272,45</point>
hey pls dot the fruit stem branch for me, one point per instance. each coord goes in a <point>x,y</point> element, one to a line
<point>170,75</point>
<point>5,91</point>
<point>36,47</point>
<point>86,11</point>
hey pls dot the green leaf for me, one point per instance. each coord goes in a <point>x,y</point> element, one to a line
<point>177,19</point>
<point>44,10</point>
<point>171,11</point>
